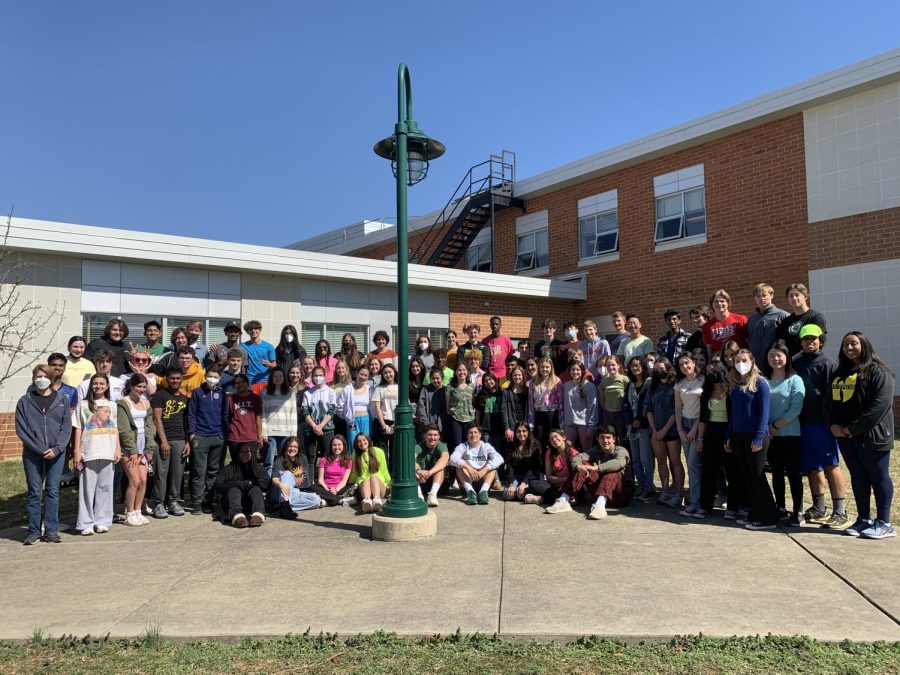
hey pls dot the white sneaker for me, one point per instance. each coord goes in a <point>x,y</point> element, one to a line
<point>432,499</point>
<point>101,529</point>
<point>559,506</point>
<point>532,499</point>
<point>141,519</point>
<point>598,512</point>
<point>322,503</point>
<point>377,503</point>
<point>132,520</point>
<point>88,532</point>
<point>349,501</point>
<point>367,505</point>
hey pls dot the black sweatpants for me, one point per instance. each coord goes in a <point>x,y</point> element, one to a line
<point>784,459</point>
<point>752,466</point>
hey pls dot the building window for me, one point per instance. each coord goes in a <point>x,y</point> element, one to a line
<point>478,258</point>
<point>532,254</point>
<point>531,251</point>
<point>334,333</point>
<point>599,234</point>
<point>93,325</point>
<point>680,215</point>
<point>680,204</point>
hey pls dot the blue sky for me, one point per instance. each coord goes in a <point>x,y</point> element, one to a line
<point>255,121</point>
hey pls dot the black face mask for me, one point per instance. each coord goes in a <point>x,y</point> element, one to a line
<point>659,375</point>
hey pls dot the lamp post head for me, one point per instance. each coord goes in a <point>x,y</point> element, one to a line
<point>420,149</point>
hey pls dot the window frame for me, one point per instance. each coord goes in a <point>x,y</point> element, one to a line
<point>595,217</point>
<point>533,251</point>
<point>479,251</point>
<point>683,218</point>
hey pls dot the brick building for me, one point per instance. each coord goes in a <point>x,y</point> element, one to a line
<point>800,185</point>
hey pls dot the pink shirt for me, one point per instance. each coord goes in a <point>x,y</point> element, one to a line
<point>499,347</point>
<point>328,364</point>
<point>560,465</point>
<point>333,472</point>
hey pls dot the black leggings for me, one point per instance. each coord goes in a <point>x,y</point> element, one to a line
<point>713,459</point>
<point>753,473</point>
<point>331,498</point>
<point>545,421</point>
<point>784,458</point>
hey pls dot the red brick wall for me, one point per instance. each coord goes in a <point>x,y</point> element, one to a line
<point>855,239</point>
<point>521,316</point>
<point>10,447</point>
<point>756,227</point>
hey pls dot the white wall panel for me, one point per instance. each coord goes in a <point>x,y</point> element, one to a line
<point>853,154</point>
<point>862,297</point>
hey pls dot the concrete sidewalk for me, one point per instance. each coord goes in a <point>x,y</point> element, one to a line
<point>505,568</point>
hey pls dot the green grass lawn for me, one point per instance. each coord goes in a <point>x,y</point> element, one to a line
<point>12,493</point>
<point>388,653</point>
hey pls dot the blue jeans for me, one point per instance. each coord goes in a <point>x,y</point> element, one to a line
<point>270,450</point>
<point>642,459</point>
<point>692,455</point>
<point>42,476</point>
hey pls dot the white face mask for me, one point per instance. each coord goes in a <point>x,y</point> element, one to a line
<point>289,338</point>
<point>573,334</point>
<point>743,367</point>
<point>318,379</point>
<point>423,346</point>
<point>213,382</point>
<point>41,382</point>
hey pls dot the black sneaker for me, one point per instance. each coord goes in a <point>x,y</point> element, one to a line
<point>32,539</point>
<point>52,538</point>
<point>197,509</point>
<point>756,525</point>
<point>794,520</point>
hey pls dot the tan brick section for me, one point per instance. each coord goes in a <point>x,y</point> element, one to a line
<point>522,317</point>
<point>852,240</point>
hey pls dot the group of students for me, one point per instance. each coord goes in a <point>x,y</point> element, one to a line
<point>570,419</point>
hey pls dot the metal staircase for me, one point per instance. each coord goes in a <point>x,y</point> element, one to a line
<point>485,190</point>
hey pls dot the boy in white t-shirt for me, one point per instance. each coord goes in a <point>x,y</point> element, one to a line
<point>476,465</point>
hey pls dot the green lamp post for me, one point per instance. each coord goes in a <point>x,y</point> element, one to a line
<point>409,151</point>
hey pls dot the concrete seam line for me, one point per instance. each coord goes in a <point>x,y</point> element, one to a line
<point>177,581</point>
<point>502,569</point>
<point>847,581</point>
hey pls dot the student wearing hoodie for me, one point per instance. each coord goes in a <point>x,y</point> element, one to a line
<point>593,347</point>
<point>762,325</point>
<point>44,425</point>
<point>476,465</point>
<point>207,429</point>
<point>605,471</point>
<point>242,485</point>
<point>818,447</point>
<point>192,375</point>
<point>113,339</point>
<point>432,408</point>
<point>859,412</point>
<point>319,410</point>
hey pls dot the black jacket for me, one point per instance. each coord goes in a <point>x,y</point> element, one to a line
<point>816,371</point>
<point>868,413</point>
<point>242,476</point>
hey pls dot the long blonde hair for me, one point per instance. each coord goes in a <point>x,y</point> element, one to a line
<point>551,380</point>
<point>751,382</point>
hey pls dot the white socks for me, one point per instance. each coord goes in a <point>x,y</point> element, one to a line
<point>467,486</point>
<point>435,487</point>
<point>601,501</point>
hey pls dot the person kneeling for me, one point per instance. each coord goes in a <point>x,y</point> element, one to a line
<point>432,457</point>
<point>476,465</point>
<point>242,485</point>
<point>292,483</point>
<point>604,471</point>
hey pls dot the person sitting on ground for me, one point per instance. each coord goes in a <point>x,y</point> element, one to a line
<point>605,471</point>
<point>242,484</point>
<point>556,470</point>
<point>523,462</point>
<point>432,457</point>
<point>291,482</point>
<point>476,465</point>
<point>333,484</point>
<point>370,473</point>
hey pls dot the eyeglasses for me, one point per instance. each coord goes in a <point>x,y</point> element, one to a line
<point>141,361</point>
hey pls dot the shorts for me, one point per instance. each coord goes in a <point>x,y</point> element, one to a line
<point>818,448</point>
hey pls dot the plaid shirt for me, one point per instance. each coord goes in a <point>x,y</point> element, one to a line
<point>671,346</point>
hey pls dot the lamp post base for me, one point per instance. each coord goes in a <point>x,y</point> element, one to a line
<point>385,528</point>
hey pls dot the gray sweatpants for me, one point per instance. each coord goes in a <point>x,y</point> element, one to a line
<point>95,494</point>
<point>168,474</point>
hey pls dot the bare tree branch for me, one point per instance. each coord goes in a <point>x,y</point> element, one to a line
<point>27,329</point>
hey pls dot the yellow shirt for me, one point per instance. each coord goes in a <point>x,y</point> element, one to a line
<point>77,371</point>
<point>195,377</point>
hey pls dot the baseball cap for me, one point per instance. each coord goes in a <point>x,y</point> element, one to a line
<point>232,325</point>
<point>811,330</point>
